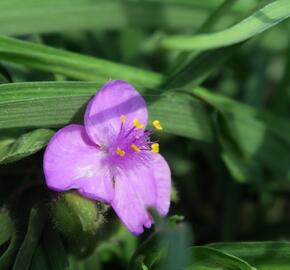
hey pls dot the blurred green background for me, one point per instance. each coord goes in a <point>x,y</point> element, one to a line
<point>217,75</point>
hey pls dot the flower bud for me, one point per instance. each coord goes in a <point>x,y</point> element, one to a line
<point>78,219</point>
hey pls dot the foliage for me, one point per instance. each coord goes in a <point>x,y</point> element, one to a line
<point>215,73</point>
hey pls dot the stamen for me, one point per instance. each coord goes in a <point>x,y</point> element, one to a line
<point>137,124</point>
<point>155,147</point>
<point>135,147</point>
<point>123,118</point>
<point>120,152</point>
<point>157,125</point>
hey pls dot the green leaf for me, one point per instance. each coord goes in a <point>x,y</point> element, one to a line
<point>262,255</point>
<point>54,249</point>
<point>90,262</point>
<point>36,224</point>
<point>196,70</point>
<point>238,163</point>
<point>166,249</point>
<point>6,227</point>
<point>39,260</point>
<point>18,17</point>
<point>70,64</point>
<point>206,258</point>
<point>258,22</point>
<point>6,258</point>
<point>256,133</point>
<point>55,104</point>
<point>121,244</point>
<point>13,148</point>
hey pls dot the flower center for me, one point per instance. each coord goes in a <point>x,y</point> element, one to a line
<point>133,142</point>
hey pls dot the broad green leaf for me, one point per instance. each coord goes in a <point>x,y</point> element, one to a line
<point>55,104</point>
<point>19,17</point>
<point>36,224</point>
<point>258,22</point>
<point>70,64</point>
<point>16,147</point>
<point>206,258</point>
<point>7,257</point>
<point>262,255</point>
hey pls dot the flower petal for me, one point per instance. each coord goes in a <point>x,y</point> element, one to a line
<point>103,113</point>
<point>72,161</point>
<point>138,188</point>
<point>129,205</point>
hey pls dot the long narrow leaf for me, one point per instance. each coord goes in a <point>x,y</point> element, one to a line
<point>32,16</point>
<point>260,21</point>
<point>210,258</point>
<point>43,105</point>
<point>260,136</point>
<point>71,64</point>
<point>263,255</point>
<point>16,147</point>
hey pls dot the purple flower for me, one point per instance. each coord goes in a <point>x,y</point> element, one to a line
<point>111,157</point>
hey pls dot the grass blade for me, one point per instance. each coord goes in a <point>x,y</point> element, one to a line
<point>260,21</point>
<point>18,17</point>
<point>71,64</point>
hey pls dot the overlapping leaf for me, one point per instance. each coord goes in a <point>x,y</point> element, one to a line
<point>71,64</point>
<point>54,104</point>
<point>18,17</point>
<point>260,21</point>
<point>258,137</point>
<point>16,145</point>
<point>9,233</point>
<point>262,255</point>
<point>212,259</point>
<point>32,238</point>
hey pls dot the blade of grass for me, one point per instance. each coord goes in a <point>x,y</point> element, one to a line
<point>70,64</point>
<point>263,19</point>
<point>32,16</point>
<point>184,58</point>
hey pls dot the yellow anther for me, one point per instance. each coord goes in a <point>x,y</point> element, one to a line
<point>157,125</point>
<point>137,124</point>
<point>120,152</point>
<point>155,147</point>
<point>123,118</point>
<point>135,147</point>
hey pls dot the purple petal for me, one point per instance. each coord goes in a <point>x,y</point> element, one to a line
<point>72,161</point>
<point>139,188</point>
<point>115,98</point>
